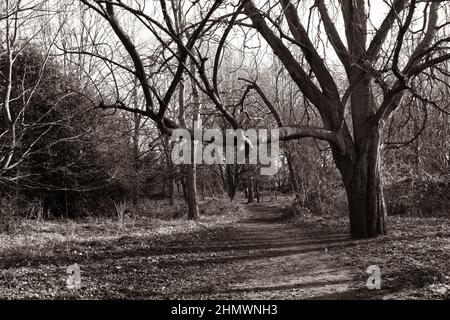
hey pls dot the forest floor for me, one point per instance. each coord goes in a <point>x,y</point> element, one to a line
<point>258,254</point>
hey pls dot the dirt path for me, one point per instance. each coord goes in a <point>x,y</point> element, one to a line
<point>261,257</point>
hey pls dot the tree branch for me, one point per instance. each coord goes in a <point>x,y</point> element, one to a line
<point>333,36</point>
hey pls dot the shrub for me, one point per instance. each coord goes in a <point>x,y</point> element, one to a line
<point>419,195</point>
<point>329,198</point>
<point>7,214</point>
<point>219,207</point>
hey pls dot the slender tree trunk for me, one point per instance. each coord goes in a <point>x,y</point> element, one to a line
<point>183,186</point>
<point>416,146</point>
<point>171,169</point>
<point>250,190</point>
<point>202,190</point>
<point>231,180</point>
<point>172,191</point>
<point>257,192</point>
<point>136,166</point>
<point>8,118</point>
<point>191,170</point>
<point>191,188</point>
<point>211,192</point>
<point>292,174</point>
<point>270,192</point>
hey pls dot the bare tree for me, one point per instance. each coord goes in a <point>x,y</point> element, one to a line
<point>369,68</point>
<point>18,17</point>
<point>379,71</point>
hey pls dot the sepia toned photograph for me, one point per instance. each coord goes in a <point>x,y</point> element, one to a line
<point>241,152</point>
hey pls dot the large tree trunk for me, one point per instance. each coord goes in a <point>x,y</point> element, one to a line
<point>363,184</point>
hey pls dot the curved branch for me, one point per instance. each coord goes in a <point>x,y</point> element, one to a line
<point>297,132</point>
<point>333,36</point>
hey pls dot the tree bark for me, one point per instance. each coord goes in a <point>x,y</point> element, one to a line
<point>191,170</point>
<point>257,193</point>
<point>136,160</point>
<point>202,190</point>
<point>172,190</point>
<point>250,190</point>
<point>183,186</point>
<point>191,188</point>
<point>364,187</point>
<point>292,174</point>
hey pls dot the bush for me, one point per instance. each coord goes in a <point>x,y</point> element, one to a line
<point>212,207</point>
<point>7,214</point>
<point>161,209</point>
<point>329,198</point>
<point>419,195</point>
<point>296,210</point>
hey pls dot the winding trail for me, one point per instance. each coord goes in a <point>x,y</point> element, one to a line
<point>263,257</point>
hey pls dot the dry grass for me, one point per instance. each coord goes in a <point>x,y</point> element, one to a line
<point>37,249</point>
<point>155,256</point>
<point>414,256</point>
<point>35,235</point>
